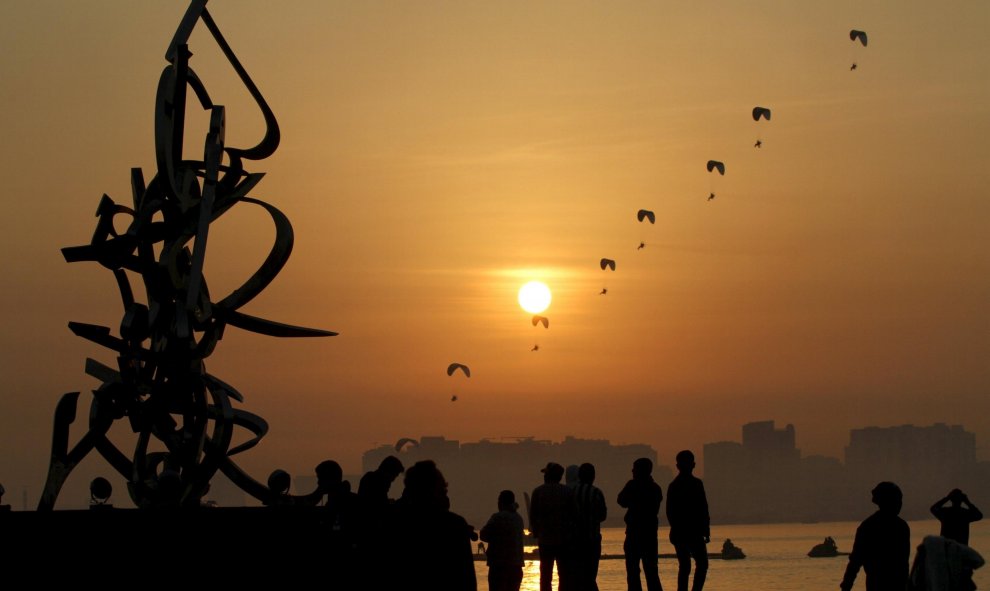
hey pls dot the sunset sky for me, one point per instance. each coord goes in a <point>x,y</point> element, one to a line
<point>436,155</point>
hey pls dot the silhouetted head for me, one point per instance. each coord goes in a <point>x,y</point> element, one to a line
<point>887,496</point>
<point>642,467</point>
<point>507,501</point>
<point>391,467</point>
<point>279,482</point>
<point>586,473</point>
<point>685,461</point>
<point>99,490</point>
<point>553,472</point>
<point>571,474</point>
<point>956,497</point>
<point>328,475</point>
<point>425,486</point>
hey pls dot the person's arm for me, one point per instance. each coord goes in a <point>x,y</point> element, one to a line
<point>625,495</point>
<point>534,513</point>
<point>488,529</point>
<point>601,510</point>
<point>974,513</point>
<point>936,509</point>
<point>706,518</point>
<point>855,561</point>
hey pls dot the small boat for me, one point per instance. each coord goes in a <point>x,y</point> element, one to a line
<point>826,549</point>
<point>730,551</point>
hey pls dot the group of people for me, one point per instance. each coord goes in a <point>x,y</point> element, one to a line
<point>566,517</point>
<point>882,547</point>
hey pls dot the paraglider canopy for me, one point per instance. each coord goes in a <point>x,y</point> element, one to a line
<point>759,112</point>
<point>861,35</point>
<point>607,263</point>
<point>458,366</point>
<point>541,319</point>
<point>405,440</point>
<point>715,164</point>
<point>646,214</point>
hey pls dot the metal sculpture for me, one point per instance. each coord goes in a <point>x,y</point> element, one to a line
<point>183,417</point>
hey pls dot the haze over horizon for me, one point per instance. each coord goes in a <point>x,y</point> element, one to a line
<point>435,156</point>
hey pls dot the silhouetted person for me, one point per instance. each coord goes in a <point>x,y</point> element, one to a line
<point>504,534</point>
<point>957,516</point>
<point>548,515</point>
<point>279,482</point>
<point>711,196</point>
<point>374,486</point>
<point>641,246</point>
<point>438,554</point>
<point>604,291</point>
<point>882,546</point>
<point>641,498</point>
<point>852,67</point>
<point>337,538</point>
<point>589,512</point>
<point>687,514</point>
<point>943,564</point>
<point>758,144</point>
<point>535,348</point>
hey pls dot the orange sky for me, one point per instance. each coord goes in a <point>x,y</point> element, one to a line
<point>437,155</point>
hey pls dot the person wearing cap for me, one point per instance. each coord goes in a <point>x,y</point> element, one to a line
<point>548,522</point>
<point>883,544</point>
<point>955,518</point>
<point>687,515</point>
<point>641,498</point>
<point>504,534</point>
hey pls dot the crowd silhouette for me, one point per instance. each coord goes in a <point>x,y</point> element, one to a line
<point>359,531</point>
<point>565,516</point>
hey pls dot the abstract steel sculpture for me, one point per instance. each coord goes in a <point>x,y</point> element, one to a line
<point>183,417</point>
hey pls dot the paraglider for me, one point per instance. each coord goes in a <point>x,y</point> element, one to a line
<point>606,264</point>
<point>854,36</point>
<point>760,113</point>
<point>535,347</point>
<point>405,440</point>
<point>541,319</point>
<point>458,366</point>
<point>453,398</point>
<point>714,165</point>
<point>645,214</point>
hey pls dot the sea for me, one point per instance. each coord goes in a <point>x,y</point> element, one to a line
<point>776,558</point>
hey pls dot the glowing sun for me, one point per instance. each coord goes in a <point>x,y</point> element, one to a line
<point>534,297</point>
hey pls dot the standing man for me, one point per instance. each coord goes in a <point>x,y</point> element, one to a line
<point>641,497</point>
<point>548,519</point>
<point>504,534</point>
<point>589,513</point>
<point>956,517</point>
<point>687,513</point>
<point>883,544</point>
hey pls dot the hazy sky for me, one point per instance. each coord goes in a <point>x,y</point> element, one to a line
<point>436,155</point>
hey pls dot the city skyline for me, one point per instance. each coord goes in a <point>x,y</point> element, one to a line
<point>436,157</point>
